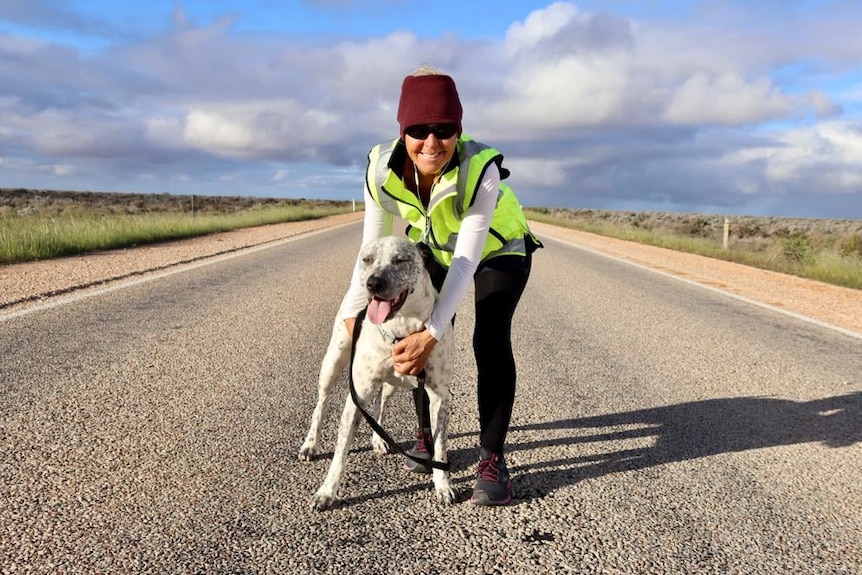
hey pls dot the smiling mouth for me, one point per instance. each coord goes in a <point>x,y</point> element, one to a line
<point>382,310</point>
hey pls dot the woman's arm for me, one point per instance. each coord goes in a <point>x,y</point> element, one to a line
<point>468,253</point>
<point>411,353</point>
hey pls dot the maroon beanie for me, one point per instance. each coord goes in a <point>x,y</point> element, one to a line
<point>431,99</point>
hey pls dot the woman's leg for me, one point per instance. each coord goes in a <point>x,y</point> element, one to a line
<point>498,292</point>
<point>424,443</point>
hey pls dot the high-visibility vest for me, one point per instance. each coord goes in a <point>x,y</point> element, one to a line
<point>451,197</point>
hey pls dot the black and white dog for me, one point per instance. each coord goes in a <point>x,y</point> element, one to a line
<point>395,274</point>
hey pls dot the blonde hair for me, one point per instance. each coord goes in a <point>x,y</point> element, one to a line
<point>426,70</point>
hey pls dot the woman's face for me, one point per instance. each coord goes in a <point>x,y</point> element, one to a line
<point>430,147</point>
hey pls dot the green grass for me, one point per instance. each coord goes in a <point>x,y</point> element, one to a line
<point>41,236</point>
<point>802,255</point>
<point>49,225</point>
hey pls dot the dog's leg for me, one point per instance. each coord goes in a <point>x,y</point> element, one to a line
<point>337,356</point>
<point>328,493</point>
<point>377,443</point>
<point>439,406</point>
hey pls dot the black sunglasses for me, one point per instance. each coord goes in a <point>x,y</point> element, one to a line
<point>440,131</point>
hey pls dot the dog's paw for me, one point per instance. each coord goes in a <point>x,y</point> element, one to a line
<point>379,445</point>
<point>445,494</point>
<point>323,501</point>
<point>307,452</point>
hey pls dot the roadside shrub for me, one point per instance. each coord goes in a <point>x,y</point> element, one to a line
<point>798,249</point>
<point>749,230</point>
<point>851,247</point>
<point>638,220</point>
<point>700,227</point>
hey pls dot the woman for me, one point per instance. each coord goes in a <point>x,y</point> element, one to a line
<point>448,187</point>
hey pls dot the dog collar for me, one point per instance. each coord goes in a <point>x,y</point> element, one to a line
<point>388,335</point>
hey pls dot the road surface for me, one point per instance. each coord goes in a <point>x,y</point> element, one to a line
<point>659,428</point>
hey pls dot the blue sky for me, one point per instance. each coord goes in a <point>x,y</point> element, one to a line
<point>732,107</point>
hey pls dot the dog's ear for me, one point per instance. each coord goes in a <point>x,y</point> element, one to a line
<point>427,258</point>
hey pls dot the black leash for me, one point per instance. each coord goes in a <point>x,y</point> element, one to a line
<point>378,429</point>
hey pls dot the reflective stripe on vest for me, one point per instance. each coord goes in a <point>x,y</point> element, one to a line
<point>450,199</point>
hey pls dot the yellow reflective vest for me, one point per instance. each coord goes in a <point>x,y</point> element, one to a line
<point>451,197</point>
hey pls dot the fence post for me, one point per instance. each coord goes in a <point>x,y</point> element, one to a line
<point>726,232</point>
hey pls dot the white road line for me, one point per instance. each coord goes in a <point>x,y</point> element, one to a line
<point>121,284</point>
<point>754,302</point>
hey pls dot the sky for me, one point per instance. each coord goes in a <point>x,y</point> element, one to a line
<point>719,107</point>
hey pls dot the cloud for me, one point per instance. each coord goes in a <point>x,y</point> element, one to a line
<point>45,14</point>
<point>727,99</point>
<point>723,109</point>
<point>829,154</point>
<point>64,170</point>
<point>571,69</point>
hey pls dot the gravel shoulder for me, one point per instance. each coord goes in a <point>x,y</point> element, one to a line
<point>31,284</point>
<point>23,285</point>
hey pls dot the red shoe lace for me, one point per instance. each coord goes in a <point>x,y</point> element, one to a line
<point>423,443</point>
<point>487,469</point>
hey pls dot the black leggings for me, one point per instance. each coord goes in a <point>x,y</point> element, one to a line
<point>498,288</point>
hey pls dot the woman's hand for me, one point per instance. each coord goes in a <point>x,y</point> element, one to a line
<point>411,353</point>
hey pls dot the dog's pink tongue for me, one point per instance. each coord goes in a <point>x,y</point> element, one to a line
<point>378,310</point>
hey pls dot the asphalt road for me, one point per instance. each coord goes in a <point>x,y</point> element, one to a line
<point>659,428</point>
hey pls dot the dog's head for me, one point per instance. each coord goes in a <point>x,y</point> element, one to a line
<point>390,270</point>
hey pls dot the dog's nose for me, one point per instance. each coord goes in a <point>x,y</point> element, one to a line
<point>375,284</point>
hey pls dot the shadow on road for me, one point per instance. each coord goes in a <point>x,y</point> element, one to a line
<point>674,433</point>
<point>684,432</point>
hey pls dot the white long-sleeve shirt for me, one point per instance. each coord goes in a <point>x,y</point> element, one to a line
<point>466,258</point>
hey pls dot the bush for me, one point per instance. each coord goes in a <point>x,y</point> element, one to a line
<point>699,227</point>
<point>798,249</point>
<point>852,246</point>
<point>749,230</point>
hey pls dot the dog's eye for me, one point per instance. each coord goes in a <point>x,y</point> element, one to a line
<point>401,261</point>
<point>368,260</point>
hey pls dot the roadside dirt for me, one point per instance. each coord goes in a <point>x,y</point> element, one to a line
<point>30,284</point>
<point>27,284</point>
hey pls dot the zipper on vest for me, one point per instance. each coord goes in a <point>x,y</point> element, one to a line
<point>428,232</point>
